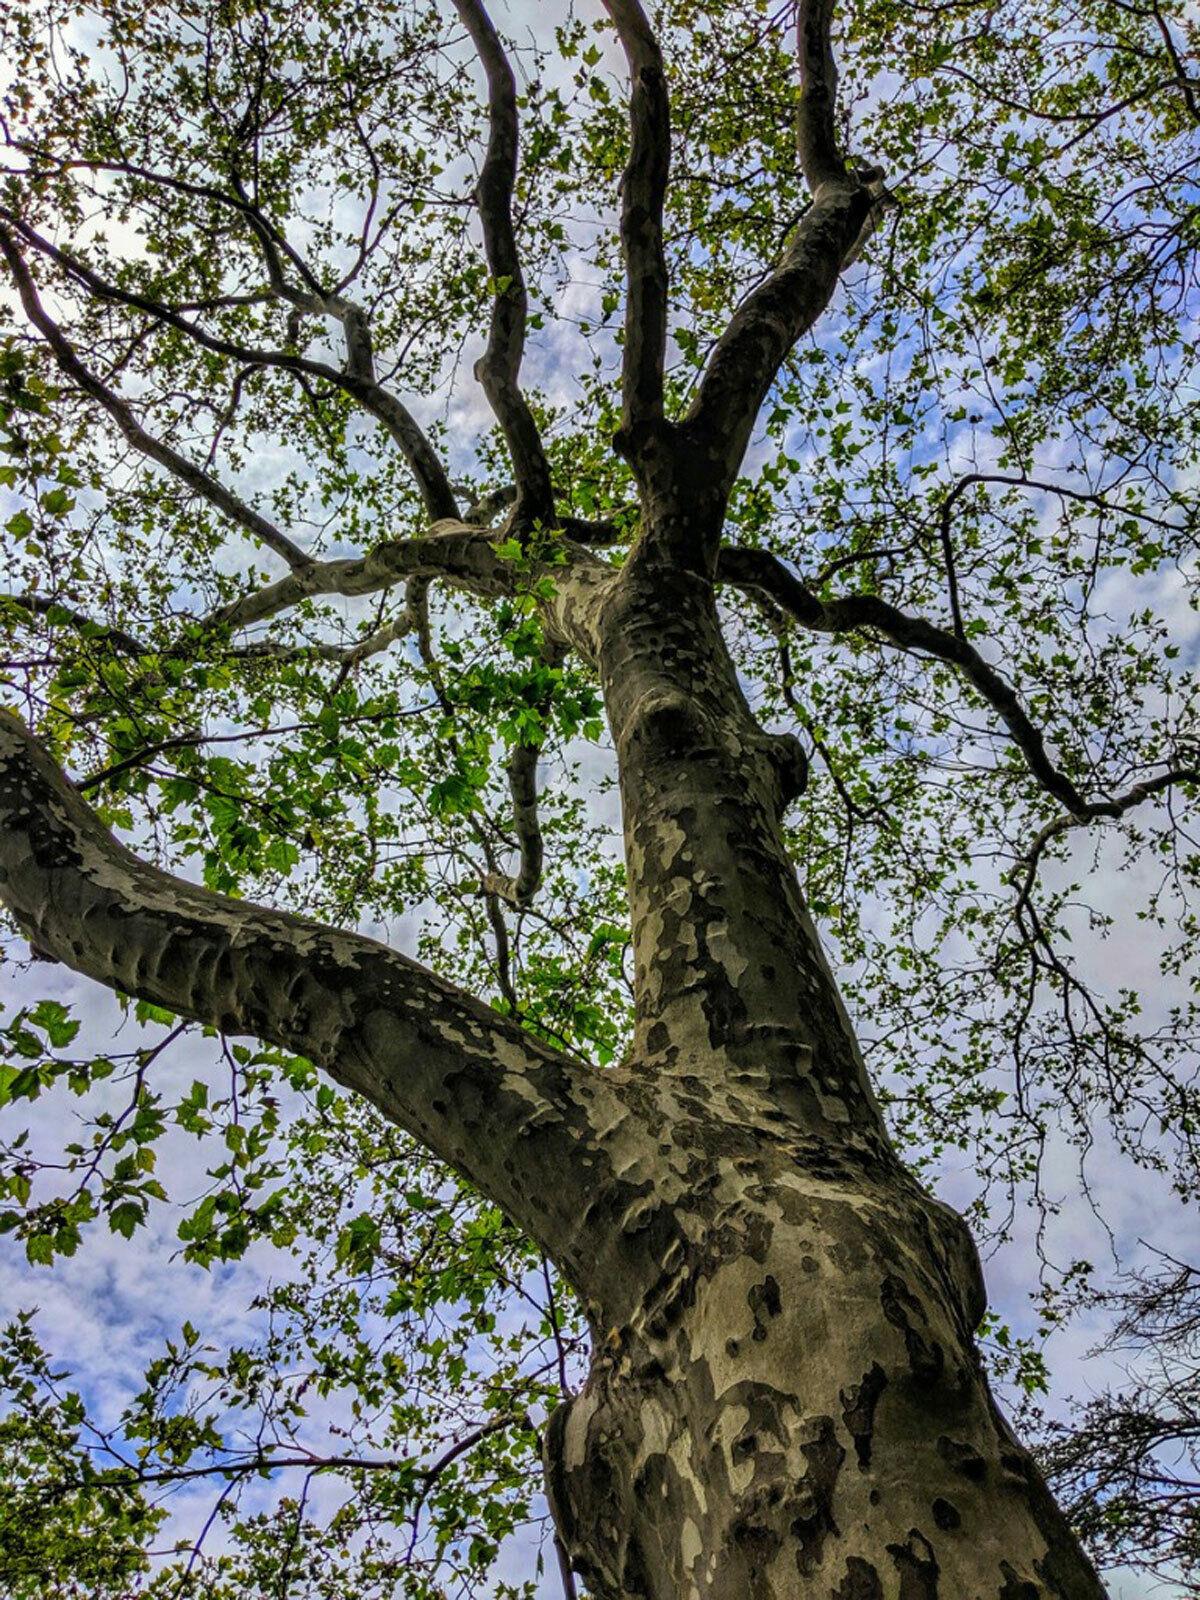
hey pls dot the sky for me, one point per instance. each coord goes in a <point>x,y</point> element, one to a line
<point>104,1312</point>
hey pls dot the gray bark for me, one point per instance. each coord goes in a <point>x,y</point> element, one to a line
<point>786,1400</point>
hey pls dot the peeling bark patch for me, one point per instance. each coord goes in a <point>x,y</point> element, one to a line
<point>765,1302</point>
<point>860,1583</point>
<point>900,1306</point>
<point>858,1411</point>
<point>917,1565</point>
<point>813,1504</point>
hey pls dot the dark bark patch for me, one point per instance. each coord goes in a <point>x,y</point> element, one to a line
<point>813,1520</point>
<point>1017,1588</point>
<point>901,1307</point>
<point>917,1565</point>
<point>945,1514</point>
<point>765,1302</point>
<point>860,1583</point>
<point>858,1411</point>
<point>963,1458</point>
<point>658,1038</point>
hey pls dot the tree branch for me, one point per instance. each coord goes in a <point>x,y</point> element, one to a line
<point>196,478</point>
<point>379,402</point>
<point>46,606</point>
<point>821,160</point>
<point>788,302</point>
<point>511,1114</point>
<point>643,193</point>
<point>462,556</point>
<point>520,889</point>
<point>498,370</point>
<point>1097,809</point>
<point>759,569</point>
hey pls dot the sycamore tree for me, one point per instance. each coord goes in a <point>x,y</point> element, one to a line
<point>430,433</point>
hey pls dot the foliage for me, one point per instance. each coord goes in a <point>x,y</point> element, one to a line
<point>995,427</point>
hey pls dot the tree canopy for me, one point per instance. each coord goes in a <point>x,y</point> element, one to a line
<point>326,388</point>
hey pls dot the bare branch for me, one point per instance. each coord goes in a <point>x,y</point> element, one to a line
<point>768,323</point>
<point>349,656</point>
<point>498,370</point>
<point>584,530</point>
<point>643,193</point>
<point>522,784</point>
<point>196,478</point>
<point>591,530</point>
<point>1063,491</point>
<point>487,507</point>
<point>759,569</point>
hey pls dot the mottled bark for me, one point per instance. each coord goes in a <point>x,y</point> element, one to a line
<point>795,1409</point>
<point>785,1400</point>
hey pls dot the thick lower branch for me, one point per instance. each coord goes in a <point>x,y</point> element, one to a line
<point>507,1111</point>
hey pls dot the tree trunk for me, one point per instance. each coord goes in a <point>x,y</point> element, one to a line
<point>794,1407</point>
<point>785,1399</point>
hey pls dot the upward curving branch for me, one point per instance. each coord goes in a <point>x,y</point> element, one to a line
<point>767,324</point>
<point>821,160</point>
<point>512,1114</point>
<point>499,368</point>
<point>643,194</point>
